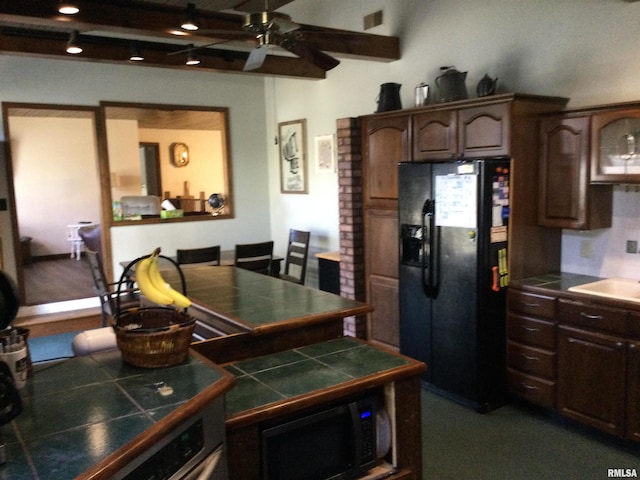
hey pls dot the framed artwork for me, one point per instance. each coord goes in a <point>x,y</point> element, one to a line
<point>292,138</point>
<point>325,154</point>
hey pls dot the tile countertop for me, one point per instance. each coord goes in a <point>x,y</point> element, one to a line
<point>81,410</point>
<point>555,281</point>
<point>260,303</point>
<point>282,376</point>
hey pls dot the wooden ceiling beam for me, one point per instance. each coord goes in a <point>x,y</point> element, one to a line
<point>132,18</point>
<point>117,51</point>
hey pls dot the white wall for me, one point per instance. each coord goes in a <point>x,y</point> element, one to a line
<point>80,83</point>
<point>63,150</point>
<point>581,49</point>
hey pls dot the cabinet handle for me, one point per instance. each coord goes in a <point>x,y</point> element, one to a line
<point>531,329</point>
<point>528,357</point>
<point>531,305</point>
<point>591,317</point>
<point>528,387</point>
<point>632,346</point>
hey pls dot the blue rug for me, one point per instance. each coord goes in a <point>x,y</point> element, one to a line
<point>51,347</point>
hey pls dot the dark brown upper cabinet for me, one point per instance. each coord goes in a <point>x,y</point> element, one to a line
<point>470,132</point>
<point>615,155</point>
<point>566,198</point>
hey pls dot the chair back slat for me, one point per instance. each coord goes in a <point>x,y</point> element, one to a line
<point>297,255</point>
<point>209,255</point>
<point>256,257</point>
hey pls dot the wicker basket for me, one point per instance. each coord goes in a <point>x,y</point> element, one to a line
<point>154,337</point>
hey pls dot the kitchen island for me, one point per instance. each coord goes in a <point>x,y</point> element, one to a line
<point>279,344</point>
<point>288,352</point>
<point>94,417</point>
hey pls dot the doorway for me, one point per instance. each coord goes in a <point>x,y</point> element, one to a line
<point>55,183</point>
<point>150,169</point>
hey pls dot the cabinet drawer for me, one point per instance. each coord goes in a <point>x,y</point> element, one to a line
<point>532,304</point>
<point>531,360</point>
<point>634,325</point>
<point>531,331</point>
<point>598,317</point>
<point>533,389</point>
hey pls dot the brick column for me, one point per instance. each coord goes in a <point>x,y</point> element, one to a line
<point>352,281</point>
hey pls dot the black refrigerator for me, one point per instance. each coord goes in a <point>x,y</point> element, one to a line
<point>453,221</point>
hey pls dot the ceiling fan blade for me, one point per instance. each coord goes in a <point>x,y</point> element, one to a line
<point>256,58</point>
<point>193,48</point>
<point>311,54</point>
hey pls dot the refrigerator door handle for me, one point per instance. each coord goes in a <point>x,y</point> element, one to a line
<point>428,240</point>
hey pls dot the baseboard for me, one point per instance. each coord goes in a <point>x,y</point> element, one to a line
<point>44,258</point>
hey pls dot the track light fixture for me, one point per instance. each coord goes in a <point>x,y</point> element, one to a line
<point>136,55</point>
<point>191,58</point>
<point>67,7</point>
<point>72,45</point>
<point>190,18</point>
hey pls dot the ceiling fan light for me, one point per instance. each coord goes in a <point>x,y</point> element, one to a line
<point>72,45</point>
<point>190,18</point>
<point>68,8</point>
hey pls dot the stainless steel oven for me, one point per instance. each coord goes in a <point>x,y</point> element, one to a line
<point>192,451</point>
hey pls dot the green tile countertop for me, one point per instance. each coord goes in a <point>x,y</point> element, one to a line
<point>281,376</point>
<point>79,411</point>
<point>261,303</point>
<point>555,281</point>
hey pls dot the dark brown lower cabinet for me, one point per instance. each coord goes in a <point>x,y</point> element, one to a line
<point>633,392</point>
<point>591,378</point>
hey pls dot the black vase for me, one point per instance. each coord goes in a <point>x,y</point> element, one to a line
<point>389,98</point>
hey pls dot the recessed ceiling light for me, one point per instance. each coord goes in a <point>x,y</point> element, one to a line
<point>68,8</point>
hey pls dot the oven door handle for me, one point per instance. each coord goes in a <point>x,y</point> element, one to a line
<point>208,465</point>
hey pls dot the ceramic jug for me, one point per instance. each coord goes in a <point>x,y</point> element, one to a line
<point>389,98</point>
<point>486,86</point>
<point>451,84</point>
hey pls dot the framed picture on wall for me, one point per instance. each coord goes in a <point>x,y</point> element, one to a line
<point>325,154</point>
<point>292,138</point>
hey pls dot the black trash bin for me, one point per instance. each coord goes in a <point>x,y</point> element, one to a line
<point>25,249</point>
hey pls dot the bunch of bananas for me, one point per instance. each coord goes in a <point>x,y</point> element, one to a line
<point>154,287</point>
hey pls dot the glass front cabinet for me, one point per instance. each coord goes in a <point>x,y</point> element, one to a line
<point>615,146</point>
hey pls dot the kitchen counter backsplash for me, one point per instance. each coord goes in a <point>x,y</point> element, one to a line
<point>603,252</point>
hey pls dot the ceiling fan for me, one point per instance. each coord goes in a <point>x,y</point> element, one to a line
<point>270,29</point>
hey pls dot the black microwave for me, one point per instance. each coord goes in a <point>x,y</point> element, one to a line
<point>335,443</point>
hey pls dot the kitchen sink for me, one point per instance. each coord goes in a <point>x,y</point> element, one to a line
<point>618,288</point>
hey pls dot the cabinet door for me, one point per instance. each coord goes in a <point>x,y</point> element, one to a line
<point>633,392</point>
<point>615,152</point>
<point>381,260</point>
<point>484,131</point>
<point>435,135</point>
<point>591,379</point>
<point>386,143</point>
<point>566,199</point>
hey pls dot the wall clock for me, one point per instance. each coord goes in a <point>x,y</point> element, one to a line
<point>179,154</point>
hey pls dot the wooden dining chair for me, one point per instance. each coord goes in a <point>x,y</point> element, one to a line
<point>295,267</point>
<point>209,255</point>
<point>256,257</point>
<point>107,291</point>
